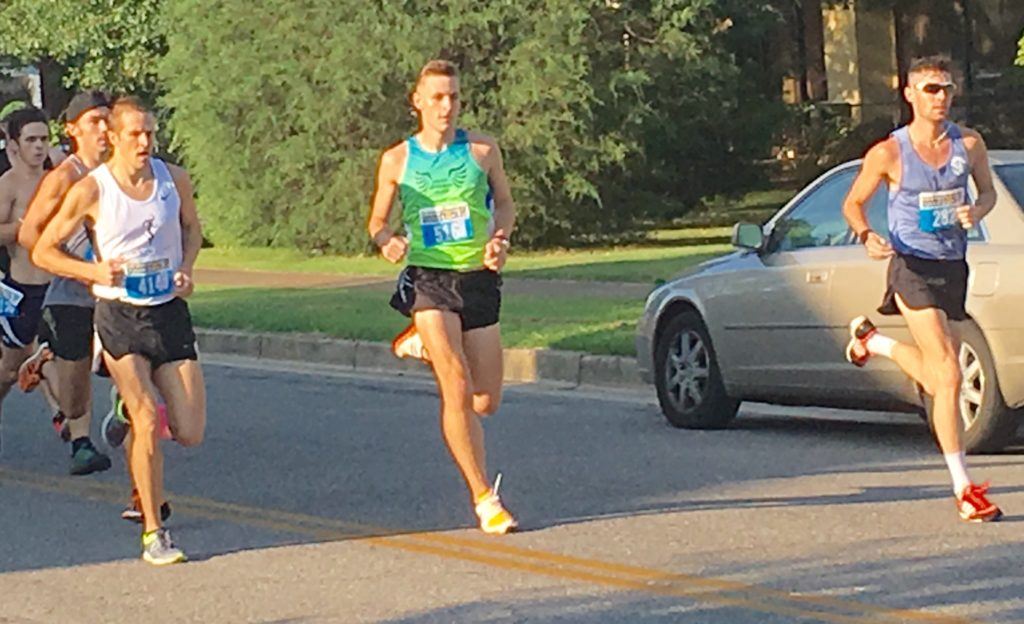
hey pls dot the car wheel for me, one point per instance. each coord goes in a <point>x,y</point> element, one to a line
<point>689,384</point>
<point>989,425</point>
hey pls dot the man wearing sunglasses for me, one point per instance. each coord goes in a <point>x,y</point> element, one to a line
<point>926,165</point>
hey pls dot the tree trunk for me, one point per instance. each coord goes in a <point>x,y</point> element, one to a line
<point>814,50</point>
<point>55,96</point>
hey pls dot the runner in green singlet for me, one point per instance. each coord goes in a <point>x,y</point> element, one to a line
<point>455,245</point>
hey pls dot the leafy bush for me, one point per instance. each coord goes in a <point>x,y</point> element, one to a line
<point>605,111</point>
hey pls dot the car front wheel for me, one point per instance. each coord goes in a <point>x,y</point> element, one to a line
<point>687,377</point>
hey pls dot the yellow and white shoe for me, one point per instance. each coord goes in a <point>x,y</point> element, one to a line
<point>494,518</point>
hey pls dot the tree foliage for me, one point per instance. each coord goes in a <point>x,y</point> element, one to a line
<point>111,44</point>
<point>606,112</point>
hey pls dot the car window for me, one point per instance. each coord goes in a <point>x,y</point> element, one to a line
<point>817,220</point>
<point>1013,177</point>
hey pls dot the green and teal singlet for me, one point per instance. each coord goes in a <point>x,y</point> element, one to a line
<point>445,209</point>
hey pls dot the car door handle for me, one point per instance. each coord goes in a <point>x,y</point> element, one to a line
<point>817,277</point>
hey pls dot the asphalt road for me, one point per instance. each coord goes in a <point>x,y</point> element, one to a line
<point>329,497</point>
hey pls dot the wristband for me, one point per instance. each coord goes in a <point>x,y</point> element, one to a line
<point>863,235</point>
<point>379,244</point>
<point>504,240</point>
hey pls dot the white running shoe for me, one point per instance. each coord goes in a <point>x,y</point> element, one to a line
<point>494,518</point>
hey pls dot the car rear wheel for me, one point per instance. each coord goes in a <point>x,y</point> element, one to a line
<point>988,424</point>
<point>687,377</point>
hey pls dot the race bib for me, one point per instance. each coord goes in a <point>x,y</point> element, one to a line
<point>937,210</point>
<point>447,223</point>
<point>10,298</point>
<point>148,278</point>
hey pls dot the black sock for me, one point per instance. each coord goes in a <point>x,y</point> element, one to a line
<point>78,443</point>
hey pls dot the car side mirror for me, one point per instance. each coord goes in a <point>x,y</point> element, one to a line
<point>747,236</point>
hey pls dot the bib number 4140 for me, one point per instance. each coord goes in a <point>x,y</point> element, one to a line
<point>149,285</point>
<point>143,280</point>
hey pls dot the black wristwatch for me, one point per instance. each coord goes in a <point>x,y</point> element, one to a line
<point>863,235</point>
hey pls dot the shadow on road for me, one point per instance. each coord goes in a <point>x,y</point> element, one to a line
<point>347,459</point>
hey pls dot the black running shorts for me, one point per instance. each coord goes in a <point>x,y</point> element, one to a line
<point>161,333</point>
<point>20,330</point>
<point>68,329</point>
<point>940,284</point>
<point>474,295</point>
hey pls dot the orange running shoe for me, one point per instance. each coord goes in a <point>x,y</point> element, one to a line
<point>409,344</point>
<point>861,328</point>
<point>974,506</point>
<point>30,373</point>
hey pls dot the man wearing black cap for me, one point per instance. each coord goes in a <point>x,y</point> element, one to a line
<point>68,304</point>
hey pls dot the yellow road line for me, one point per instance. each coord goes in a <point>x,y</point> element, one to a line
<point>499,554</point>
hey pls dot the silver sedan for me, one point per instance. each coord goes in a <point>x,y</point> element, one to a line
<point>769,322</point>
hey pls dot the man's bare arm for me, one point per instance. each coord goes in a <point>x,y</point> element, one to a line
<point>191,228</point>
<point>49,254</point>
<point>504,206</point>
<point>488,154</point>
<point>44,205</point>
<point>8,225</point>
<point>392,247</point>
<point>977,152</point>
<point>873,171</point>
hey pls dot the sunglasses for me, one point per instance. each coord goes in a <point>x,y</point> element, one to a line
<point>932,88</point>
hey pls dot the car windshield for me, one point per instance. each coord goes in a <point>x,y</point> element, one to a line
<point>1013,177</point>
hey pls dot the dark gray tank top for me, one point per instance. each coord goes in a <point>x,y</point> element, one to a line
<point>64,291</point>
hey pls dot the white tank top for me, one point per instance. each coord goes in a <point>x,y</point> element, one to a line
<point>145,235</point>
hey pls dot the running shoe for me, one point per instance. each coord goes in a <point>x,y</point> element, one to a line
<point>409,344</point>
<point>158,548</point>
<point>164,427</point>
<point>974,506</point>
<point>133,512</point>
<point>861,329</point>
<point>59,422</point>
<point>114,426</point>
<point>87,460</point>
<point>30,373</point>
<point>494,518</point>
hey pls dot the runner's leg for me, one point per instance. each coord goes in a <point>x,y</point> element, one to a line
<point>442,335</point>
<point>484,355</point>
<point>74,394</point>
<point>133,376</point>
<point>184,393</point>
<point>941,367</point>
<point>11,359</point>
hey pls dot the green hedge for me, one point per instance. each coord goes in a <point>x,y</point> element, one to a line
<point>606,112</point>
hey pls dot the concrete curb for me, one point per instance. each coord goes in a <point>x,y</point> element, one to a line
<point>563,368</point>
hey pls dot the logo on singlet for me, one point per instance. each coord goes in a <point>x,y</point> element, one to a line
<point>150,230</point>
<point>425,181</point>
<point>958,165</point>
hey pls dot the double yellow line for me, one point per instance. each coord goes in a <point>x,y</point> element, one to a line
<point>497,553</point>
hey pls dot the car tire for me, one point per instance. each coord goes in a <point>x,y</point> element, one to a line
<point>687,377</point>
<point>989,425</point>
